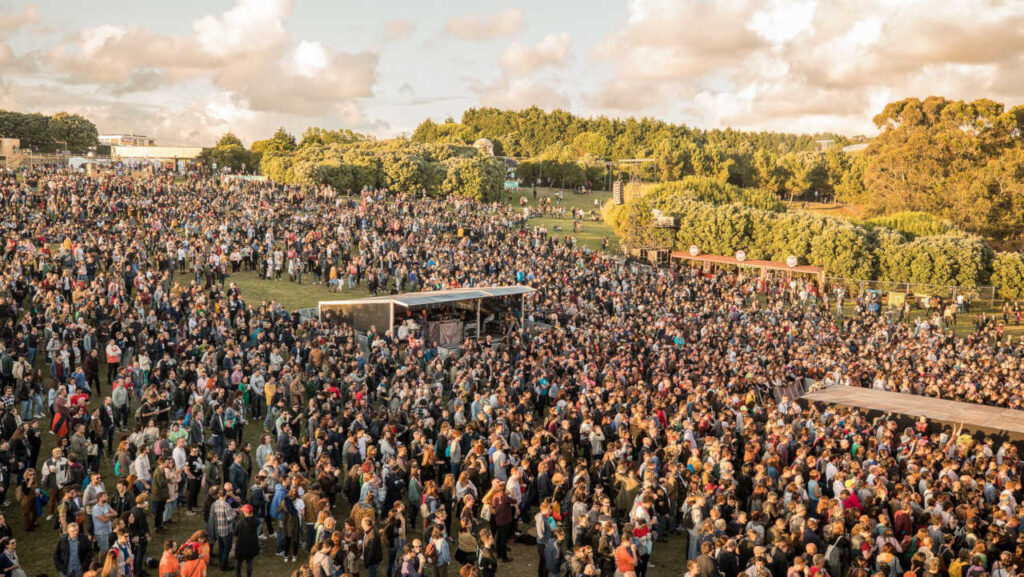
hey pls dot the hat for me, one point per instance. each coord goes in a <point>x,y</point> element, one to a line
<point>247,509</point>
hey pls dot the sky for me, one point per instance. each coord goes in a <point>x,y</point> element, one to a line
<point>189,70</point>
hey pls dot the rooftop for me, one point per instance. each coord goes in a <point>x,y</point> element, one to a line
<point>438,297</point>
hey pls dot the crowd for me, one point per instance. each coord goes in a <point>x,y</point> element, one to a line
<point>631,408</point>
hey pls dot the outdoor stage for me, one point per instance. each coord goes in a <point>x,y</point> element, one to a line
<point>973,417</point>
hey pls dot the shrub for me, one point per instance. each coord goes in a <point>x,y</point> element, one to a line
<point>913,224</point>
<point>1008,275</point>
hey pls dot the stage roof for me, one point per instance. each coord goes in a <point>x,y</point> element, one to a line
<point>408,300</point>
<point>759,264</point>
<point>973,416</point>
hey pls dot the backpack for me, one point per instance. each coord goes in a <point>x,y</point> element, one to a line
<point>430,553</point>
<point>687,517</point>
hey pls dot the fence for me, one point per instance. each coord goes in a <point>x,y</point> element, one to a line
<point>923,295</point>
<point>792,390</point>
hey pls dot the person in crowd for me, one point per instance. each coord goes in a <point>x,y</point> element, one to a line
<point>73,553</point>
<point>169,565</point>
<point>247,543</point>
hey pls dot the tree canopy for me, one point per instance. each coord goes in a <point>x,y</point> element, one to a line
<point>229,152</point>
<point>49,133</point>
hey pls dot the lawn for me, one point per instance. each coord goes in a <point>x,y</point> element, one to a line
<point>964,322</point>
<point>291,295</point>
<point>853,212</point>
<point>594,229</point>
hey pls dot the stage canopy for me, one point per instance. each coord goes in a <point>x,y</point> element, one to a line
<point>380,311</point>
<point>972,416</point>
<point>762,265</point>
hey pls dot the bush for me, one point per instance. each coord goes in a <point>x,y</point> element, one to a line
<point>714,191</point>
<point>953,259</point>
<point>841,247</point>
<point>397,164</point>
<point>479,178</point>
<point>1008,275</point>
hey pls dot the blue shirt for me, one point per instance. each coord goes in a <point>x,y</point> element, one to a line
<point>73,563</point>
<point>100,526</point>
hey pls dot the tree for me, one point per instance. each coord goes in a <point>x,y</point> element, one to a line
<point>944,157</point>
<point>31,129</point>
<point>1008,275</point>
<point>282,141</point>
<point>73,132</point>
<point>478,178</point>
<point>317,135</point>
<point>229,153</point>
<point>425,132</point>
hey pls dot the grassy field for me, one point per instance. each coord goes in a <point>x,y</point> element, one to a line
<point>291,295</point>
<point>594,229</point>
<point>849,211</point>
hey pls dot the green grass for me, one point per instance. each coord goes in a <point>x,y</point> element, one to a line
<point>964,321</point>
<point>291,295</point>
<point>594,229</point>
<point>848,211</point>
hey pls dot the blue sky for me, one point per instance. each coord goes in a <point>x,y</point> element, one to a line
<point>188,71</point>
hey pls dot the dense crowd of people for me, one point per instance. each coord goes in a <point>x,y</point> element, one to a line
<point>630,408</point>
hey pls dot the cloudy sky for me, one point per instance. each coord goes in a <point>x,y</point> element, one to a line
<point>188,70</point>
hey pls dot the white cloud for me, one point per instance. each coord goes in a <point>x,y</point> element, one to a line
<point>244,53</point>
<point>781,20</point>
<point>522,60</point>
<point>396,29</point>
<point>505,23</point>
<point>310,58</point>
<point>807,64</point>
<point>14,22</point>
<point>94,39</point>
<point>522,93</point>
<point>11,25</point>
<point>250,26</point>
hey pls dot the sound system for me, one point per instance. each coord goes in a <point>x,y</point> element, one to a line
<point>617,193</point>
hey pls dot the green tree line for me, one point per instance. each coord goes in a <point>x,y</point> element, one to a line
<point>959,161</point>
<point>724,225</point>
<point>349,162</point>
<point>43,133</point>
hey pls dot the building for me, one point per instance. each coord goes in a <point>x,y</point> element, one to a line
<point>10,146</point>
<point>823,145</point>
<point>129,139</point>
<point>155,153</point>
<point>177,158</point>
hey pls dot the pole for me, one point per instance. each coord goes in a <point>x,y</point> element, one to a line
<point>478,319</point>
<point>522,314</point>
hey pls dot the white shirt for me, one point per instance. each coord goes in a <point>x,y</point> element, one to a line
<point>141,468</point>
<point>178,454</point>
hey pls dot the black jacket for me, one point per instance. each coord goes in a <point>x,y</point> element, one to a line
<point>373,549</point>
<point>62,554</point>
<point>248,545</point>
<point>728,563</point>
